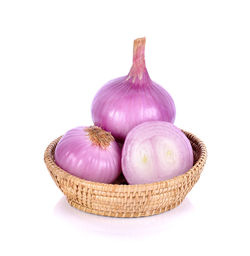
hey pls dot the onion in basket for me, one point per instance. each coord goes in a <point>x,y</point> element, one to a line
<point>89,153</point>
<point>130,100</point>
<point>155,151</point>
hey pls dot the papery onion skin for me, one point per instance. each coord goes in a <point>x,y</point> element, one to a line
<point>77,154</point>
<point>125,102</point>
<point>155,151</point>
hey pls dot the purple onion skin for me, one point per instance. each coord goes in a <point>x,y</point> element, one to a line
<point>76,154</point>
<point>155,151</point>
<point>125,102</point>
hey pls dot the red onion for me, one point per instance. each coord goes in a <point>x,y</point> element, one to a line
<point>155,151</point>
<point>89,153</point>
<point>127,101</point>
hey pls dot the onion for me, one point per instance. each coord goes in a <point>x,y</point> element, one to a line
<point>155,151</point>
<point>127,101</point>
<point>89,153</point>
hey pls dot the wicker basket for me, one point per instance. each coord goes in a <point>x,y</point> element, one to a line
<point>127,200</point>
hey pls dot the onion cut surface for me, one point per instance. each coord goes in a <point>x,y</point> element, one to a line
<point>155,151</point>
<point>89,153</point>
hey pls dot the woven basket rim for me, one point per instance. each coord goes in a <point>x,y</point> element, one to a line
<point>49,160</point>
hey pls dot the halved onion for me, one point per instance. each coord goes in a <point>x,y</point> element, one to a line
<point>155,151</point>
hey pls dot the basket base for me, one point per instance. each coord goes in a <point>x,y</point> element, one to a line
<point>124,214</point>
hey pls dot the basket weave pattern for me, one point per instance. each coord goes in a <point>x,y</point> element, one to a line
<point>127,200</point>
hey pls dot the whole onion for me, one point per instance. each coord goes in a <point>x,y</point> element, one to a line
<point>127,101</point>
<point>155,151</point>
<point>89,153</point>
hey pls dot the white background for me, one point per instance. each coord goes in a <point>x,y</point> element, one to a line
<point>55,55</point>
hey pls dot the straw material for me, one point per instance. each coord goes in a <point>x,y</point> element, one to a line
<point>127,200</point>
